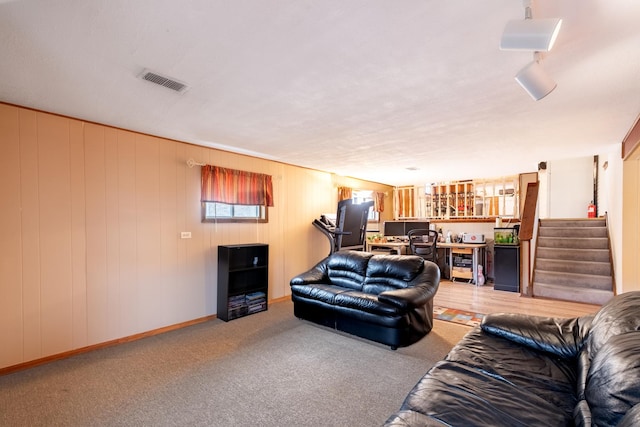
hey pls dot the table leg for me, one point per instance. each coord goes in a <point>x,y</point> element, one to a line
<point>475,266</point>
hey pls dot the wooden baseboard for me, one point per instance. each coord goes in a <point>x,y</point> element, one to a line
<point>64,355</point>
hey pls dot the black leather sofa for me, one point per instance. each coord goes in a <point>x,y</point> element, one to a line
<point>516,370</point>
<point>383,298</point>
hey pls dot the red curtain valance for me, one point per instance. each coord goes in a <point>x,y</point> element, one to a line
<point>344,193</point>
<point>236,187</point>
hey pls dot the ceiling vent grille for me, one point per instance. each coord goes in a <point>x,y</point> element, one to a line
<point>161,80</point>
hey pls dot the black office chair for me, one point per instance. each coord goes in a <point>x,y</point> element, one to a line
<point>423,242</point>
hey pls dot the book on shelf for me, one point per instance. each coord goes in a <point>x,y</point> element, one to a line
<point>238,311</point>
<point>254,308</point>
<point>256,296</point>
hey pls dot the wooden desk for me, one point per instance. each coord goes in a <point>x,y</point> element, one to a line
<point>462,249</point>
<point>396,246</point>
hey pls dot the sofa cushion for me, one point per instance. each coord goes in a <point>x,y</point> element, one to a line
<point>614,318</point>
<point>562,337</point>
<point>582,414</point>
<point>348,269</point>
<point>613,382</point>
<point>319,292</point>
<point>488,380</point>
<point>389,272</point>
<point>365,302</point>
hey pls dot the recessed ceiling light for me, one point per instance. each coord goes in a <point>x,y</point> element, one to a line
<point>412,168</point>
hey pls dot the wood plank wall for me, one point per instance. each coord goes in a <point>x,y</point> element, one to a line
<point>90,247</point>
<point>630,277</point>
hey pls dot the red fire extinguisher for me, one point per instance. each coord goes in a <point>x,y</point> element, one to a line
<point>591,210</point>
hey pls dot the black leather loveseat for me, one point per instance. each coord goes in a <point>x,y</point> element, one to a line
<point>383,298</point>
<point>517,370</point>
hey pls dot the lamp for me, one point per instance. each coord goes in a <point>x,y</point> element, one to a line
<point>535,80</point>
<point>530,34</point>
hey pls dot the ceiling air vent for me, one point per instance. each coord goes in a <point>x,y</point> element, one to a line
<point>167,82</point>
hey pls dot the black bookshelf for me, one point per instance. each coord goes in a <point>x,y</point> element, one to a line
<point>243,280</point>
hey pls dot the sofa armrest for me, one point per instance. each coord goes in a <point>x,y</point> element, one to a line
<point>315,275</point>
<point>407,298</point>
<point>562,337</point>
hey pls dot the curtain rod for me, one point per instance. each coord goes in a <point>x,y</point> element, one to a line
<point>191,163</point>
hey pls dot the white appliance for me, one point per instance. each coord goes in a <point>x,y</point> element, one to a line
<point>472,238</point>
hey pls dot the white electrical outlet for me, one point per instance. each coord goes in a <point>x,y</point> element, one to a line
<point>185,234</point>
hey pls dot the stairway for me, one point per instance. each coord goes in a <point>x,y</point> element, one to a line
<point>572,261</point>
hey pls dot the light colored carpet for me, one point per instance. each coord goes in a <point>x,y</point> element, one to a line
<point>267,369</point>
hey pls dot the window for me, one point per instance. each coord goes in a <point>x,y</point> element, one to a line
<point>230,195</point>
<point>224,212</point>
<point>361,196</point>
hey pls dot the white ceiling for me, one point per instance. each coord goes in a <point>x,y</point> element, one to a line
<point>363,88</point>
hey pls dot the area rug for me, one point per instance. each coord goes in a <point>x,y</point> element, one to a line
<point>457,316</point>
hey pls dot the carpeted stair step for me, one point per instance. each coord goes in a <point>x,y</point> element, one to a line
<point>596,255</point>
<point>574,242</point>
<point>562,232</point>
<point>571,266</point>
<point>585,295</point>
<point>573,261</point>
<point>573,280</point>
<point>579,222</point>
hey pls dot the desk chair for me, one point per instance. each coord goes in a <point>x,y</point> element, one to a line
<point>423,242</point>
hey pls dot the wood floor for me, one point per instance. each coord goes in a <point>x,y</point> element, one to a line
<point>483,299</point>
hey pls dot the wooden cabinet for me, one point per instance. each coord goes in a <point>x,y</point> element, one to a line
<point>243,276</point>
<point>507,268</point>
<point>464,259</point>
<point>462,264</point>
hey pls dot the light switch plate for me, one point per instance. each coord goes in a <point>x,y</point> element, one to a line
<point>185,234</point>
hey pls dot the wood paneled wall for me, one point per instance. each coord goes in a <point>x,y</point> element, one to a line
<point>631,222</point>
<point>90,247</point>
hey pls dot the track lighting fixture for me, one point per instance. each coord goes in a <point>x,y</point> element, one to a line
<point>536,35</point>
<point>534,79</point>
<point>530,34</point>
